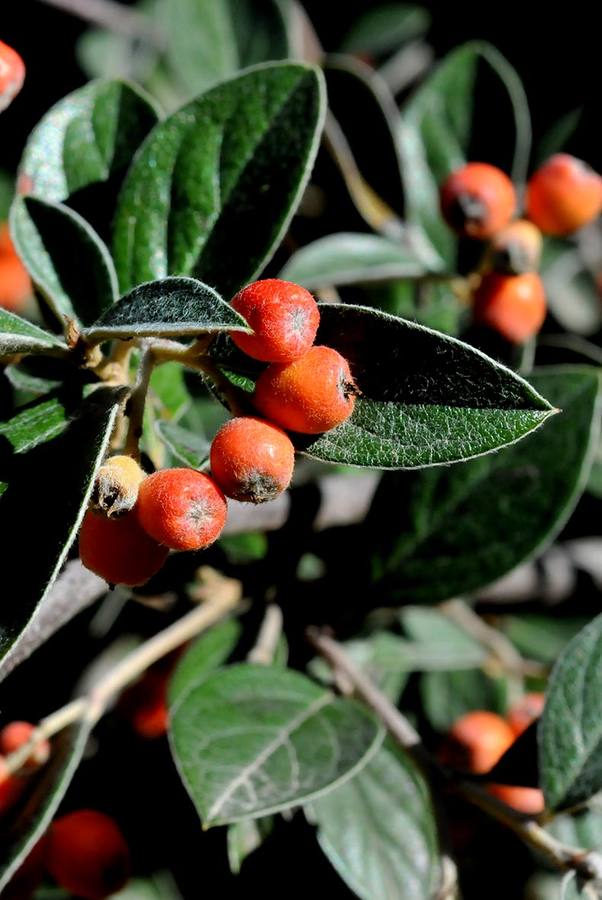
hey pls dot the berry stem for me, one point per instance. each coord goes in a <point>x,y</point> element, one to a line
<point>268,637</point>
<point>47,727</point>
<point>113,16</point>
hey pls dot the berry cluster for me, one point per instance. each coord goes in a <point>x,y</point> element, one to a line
<point>479,201</point>
<point>136,519</point>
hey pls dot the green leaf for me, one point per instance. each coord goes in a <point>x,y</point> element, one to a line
<point>385,28</point>
<point>442,637</point>
<point>378,830</point>
<point>35,424</point>
<point>541,637</point>
<point>340,259</point>
<point>66,259</point>
<point>436,128</point>
<point>558,135</point>
<point>52,482</point>
<point>186,447</point>
<point>7,192</point>
<point>207,653</point>
<point>170,307</point>
<point>213,188</point>
<point>582,828</point>
<point>17,335</point>
<point>44,800</point>
<point>293,741</point>
<point>571,290</point>
<point>245,837</point>
<point>426,398</point>
<point>448,695</point>
<point>208,40</point>
<point>383,657</point>
<point>570,729</point>
<point>460,529</point>
<point>87,137</point>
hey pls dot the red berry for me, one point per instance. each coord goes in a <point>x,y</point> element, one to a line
<point>311,395</point>
<point>252,460</point>
<point>145,705</point>
<point>524,799</point>
<point>15,284</point>
<point>119,549</point>
<point>513,305</point>
<point>526,710</point>
<point>87,854</point>
<point>477,740</point>
<point>11,788</point>
<point>12,75</point>
<point>284,318</point>
<point>477,200</point>
<point>15,734</point>
<point>563,195</point>
<point>181,508</point>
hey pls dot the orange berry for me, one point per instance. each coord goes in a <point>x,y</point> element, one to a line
<point>476,741</point>
<point>15,734</point>
<point>524,799</point>
<point>513,305</point>
<point>311,395</point>
<point>145,705</point>
<point>252,460</point>
<point>563,195</point>
<point>284,318</point>
<point>15,283</point>
<point>119,550</point>
<point>7,248</point>
<point>87,854</point>
<point>12,75</point>
<point>11,788</point>
<point>524,711</point>
<point>516,248</point>
<point>477,200</point>
<point>181,508</point>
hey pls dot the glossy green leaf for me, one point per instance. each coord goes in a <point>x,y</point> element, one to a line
<point>425,398</point>
<point>85,138</point>
<point>17,335</point>
<point>208,40</point>
<point>214,186</point>
<point>170,307</point>
<point>385,27</point>
<point>245,837</point>
<point>207,653</point>
<point>293,742</point>
<point>66,259</point>
<point>350,259</point>
<point>43,801</point>
<point>460,529</point>
<point>570,729</point>
<point>378,830</point>
<point>448,695</point>
<point>53,478</point>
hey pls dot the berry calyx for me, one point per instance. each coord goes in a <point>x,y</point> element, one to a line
<point>15,734</point>
<point>252,460</point>
<point>477,200</point>
<point>119,549</point>
<point>87,854</point>
<point>516,248</point>
<point>311,395</point>
<point>476,741</point>
<point>513,305</point>
<point>12,75</point>
<point>524,711</point>
<point>284,318</point>
<point>563,195</point>
<point>116,485</point>
<point>181,508</point>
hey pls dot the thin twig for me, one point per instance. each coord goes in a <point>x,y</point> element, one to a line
<point>113,16</point>
<point>268,637</point>
<point>137,402</point>
<point>47,728</point>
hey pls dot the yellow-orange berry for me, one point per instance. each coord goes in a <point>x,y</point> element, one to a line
<point>311,395</point>
<point>523,799</point>
<point>87,854</point>
<point>15,734</point>
<point>524,711</point>
<point>563,195</point>
<point>476,741</point>
<point>12,74</point>
<point>181,508</point>
<point>477,200</point>
<point>284,318</point>
<point>116,485</point>
<point>516,248</point>
<point>119,549</point>
<point>513,305</point>
<point>252,460</point>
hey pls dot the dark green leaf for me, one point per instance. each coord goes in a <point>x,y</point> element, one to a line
<point>214,186</point>
<point>293,742</point>
<point>245,837</point>
<point>557,136</point>
<point>186,447</point>
<point>378,830</point>
<point>351,258</point>
<point>35,424</point>
<point>169,307</point>
<point>7,192</point>
<point>448,695</point>
<point>66,259</point>
<point>34,817</point>
<point>384,28</point>
<point>52,482</point>
<point>570,730</point>
<point>17,335</point>
<point>460,529</point>
<point>207,653</point>
<point>85,138</point>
